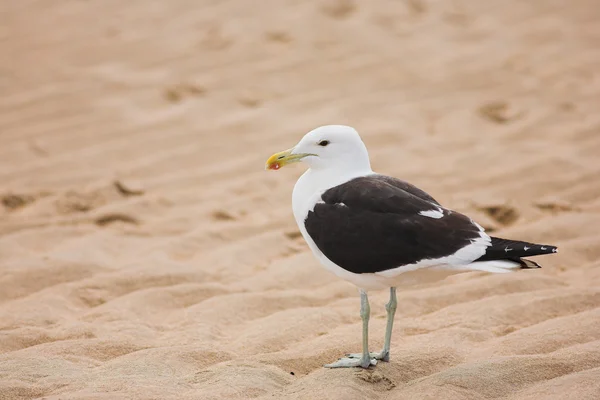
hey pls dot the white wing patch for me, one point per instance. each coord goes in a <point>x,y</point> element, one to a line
<point>437,214</point>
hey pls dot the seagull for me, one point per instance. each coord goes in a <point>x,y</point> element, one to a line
<point>378,232</point>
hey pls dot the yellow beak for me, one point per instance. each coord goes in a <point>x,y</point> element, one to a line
<point>283,158</point>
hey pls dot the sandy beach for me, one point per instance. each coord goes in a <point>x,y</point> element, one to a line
<point>145,253</point>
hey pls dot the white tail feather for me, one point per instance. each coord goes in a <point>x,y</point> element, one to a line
<point>497,267</point>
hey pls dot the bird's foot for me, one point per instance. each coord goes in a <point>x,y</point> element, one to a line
<point>383,356</point>
<point>349,362</point>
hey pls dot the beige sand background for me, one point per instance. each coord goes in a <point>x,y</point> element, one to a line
<point>146,254</point>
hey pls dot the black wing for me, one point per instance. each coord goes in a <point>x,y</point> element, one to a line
<point>370,224</point>
<point>505,249</point>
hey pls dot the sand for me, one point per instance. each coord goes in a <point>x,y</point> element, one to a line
<point>146,254</point>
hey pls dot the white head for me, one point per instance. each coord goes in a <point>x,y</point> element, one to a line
<point>327,147</point>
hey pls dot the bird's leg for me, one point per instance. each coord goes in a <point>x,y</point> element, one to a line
<point>390,307</point>
<point>365,359</point>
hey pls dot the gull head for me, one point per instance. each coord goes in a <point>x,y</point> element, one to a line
<point>326,147</point>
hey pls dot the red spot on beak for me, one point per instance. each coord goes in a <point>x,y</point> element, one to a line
<point>275,166</point>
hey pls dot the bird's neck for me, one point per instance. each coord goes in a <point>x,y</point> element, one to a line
<point>314,182</point>
<point>320,179</point>
<point>321,176</point>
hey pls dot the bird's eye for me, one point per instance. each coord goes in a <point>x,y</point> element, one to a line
<point>323,143</point>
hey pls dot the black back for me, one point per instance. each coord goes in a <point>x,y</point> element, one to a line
<point>372,224</point>
<point>407,187</point>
